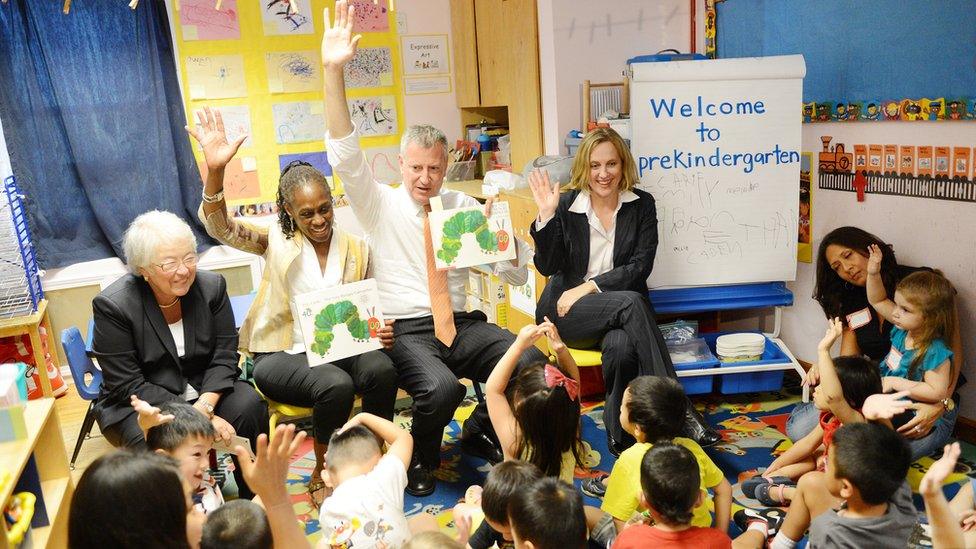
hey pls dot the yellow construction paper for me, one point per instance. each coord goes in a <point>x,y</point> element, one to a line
<point>221,76</point>
<point>275,86</point>
<point>198,91</point>
<point>388,101</point>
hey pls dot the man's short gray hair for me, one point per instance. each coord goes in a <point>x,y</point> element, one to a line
<point>151,230</point>
<point>424,135</point>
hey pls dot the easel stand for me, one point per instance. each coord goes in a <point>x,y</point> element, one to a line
<point>724,298</point>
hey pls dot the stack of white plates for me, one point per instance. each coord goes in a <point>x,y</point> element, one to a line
<point>740,347</point>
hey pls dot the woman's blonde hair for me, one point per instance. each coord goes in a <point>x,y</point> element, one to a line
<point>579,177</point>
<point>935,298</point>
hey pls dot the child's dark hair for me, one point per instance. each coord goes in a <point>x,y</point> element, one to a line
<point>504,481</point>
<point>548,419</point>
<point>549,514</point>
<point>187,422</point>
<point>353,445</point>
<point>657,405</point>
<point>935,298</point>
<point>295,175</point>
<point>859,379</point>
<point>671,482</point>
<point>237,524</point>
<point>146,486</point>
<point>874,458</point>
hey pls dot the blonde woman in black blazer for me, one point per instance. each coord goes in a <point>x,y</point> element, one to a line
<point>597,242</point>
<point>166,332</point>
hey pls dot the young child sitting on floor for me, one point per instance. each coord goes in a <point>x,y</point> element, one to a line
<point>366,505</point>
<point>504,481</point>
<point>670,489</point>
<point>238,524</point>
<point>861,500</point>
<point>548,515</point>
<point>178,430</point>
<point>537,419</point>
<point>653,411</point>
<point>845,383</point>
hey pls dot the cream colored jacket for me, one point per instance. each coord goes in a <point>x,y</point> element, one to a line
<point>268,325</point>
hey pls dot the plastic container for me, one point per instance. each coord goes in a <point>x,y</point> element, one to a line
<point>461,171</point>
<point>752,382</point>
<point>699,350</point>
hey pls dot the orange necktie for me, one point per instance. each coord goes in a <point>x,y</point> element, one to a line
<point>440,296</point>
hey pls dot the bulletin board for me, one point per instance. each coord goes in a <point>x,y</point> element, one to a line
<point>881,49</point>
<point>260,65</point>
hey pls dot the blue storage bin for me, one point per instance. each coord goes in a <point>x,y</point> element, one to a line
<point>695,385</point>
<point>752,382</point>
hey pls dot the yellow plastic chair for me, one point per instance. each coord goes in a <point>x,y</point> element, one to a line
<point>279,411</point>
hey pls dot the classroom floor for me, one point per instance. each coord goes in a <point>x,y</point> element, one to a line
<point>752,426</point>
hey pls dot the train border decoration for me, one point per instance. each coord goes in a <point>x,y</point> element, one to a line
<point>951,109</point>
<point>938,172</point>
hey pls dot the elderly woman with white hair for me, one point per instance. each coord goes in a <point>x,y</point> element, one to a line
<point>166,332</point>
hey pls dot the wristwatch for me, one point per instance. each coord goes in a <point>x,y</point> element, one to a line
<point>209,408</point>
<point>948,404</point>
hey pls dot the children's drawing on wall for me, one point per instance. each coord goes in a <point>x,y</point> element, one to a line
<point>201,21</point>
<point>804,248</point>
<point>370,68</point>
<point>917,109</point>
<point>373,115</point>
<point>298,121</point>
<point>279,18</point>
<point>240,178</point>
<point>237,122</point>
<point>215,76</point>
<point>294,71</point>
<point>384,163</point>
<point>371,16</point>
<point>339,322</point>
<point>940,172</point>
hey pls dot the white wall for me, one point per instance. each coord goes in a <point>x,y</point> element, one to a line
<point>5,169</point>
<point>440,109</point>
<point>592,41</point>
<point>935,233</point>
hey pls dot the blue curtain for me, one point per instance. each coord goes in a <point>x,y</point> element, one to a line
<point>93,119</point>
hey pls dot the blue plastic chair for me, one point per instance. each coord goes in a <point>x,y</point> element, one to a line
<point>81,364</point>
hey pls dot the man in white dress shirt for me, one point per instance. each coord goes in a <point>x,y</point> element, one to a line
<point>435,341</point>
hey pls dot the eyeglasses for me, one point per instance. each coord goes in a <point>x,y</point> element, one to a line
<point>172,265</point>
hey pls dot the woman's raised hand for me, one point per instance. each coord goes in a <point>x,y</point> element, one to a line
<point>546,194</point>
<point>874,259</point>
<point>209,133</point>
<point>338,42</point>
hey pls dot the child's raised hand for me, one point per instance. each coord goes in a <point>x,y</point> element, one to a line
<point>938,471</point>
<point>267,473</point>
<point>556,344</point>
<point>149,416</point>
<point>528,335</point>
<point>886,405</point>
<point>874,259</point>
<point>834,330</point>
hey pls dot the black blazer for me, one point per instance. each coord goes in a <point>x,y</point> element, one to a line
<point>137,354</point>
<point>562,249</point>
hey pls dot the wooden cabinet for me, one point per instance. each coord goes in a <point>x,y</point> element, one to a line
<point>496,52</point>
<point>45,445</point>
<point>523,211</point>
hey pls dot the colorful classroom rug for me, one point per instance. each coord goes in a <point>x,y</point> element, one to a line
<point>752,427</point>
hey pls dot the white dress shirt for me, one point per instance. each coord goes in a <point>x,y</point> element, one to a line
<point>394,223</point>
<point>305,275</point>
<point>179,340</point>
<point>601,239</point>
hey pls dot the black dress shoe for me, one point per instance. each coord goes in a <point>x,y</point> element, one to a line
<point>614,446</point>
<point>481,445</point>
<point>697,429</point>
<point>420,480</point>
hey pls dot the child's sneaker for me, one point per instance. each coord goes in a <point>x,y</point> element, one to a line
<point>594,486</point>
<point>772,517</point>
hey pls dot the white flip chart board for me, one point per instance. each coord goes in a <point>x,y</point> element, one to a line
<point>717,143</point>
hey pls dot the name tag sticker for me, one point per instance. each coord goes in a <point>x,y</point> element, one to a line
<point>858,319</point>
<point>894,359</point>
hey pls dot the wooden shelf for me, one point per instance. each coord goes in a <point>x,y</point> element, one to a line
<point>45,443</point>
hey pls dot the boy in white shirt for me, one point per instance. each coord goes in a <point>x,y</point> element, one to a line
<point>366,506</point>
